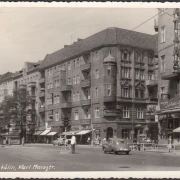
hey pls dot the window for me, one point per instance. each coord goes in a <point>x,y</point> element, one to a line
<point>126,112</point>
<point>87,113</point>
<point>125,92</point>
<point>57,99</point>
<point>137,75</point>
<point>74,80</point>
<point>163,34</point>
<point>109,90</point>
<point>97,112</point>
<point>150,75</point>
<point>109,71</point>
<point>47,101</point>
<point>125,72</point>
<point>176,88</point>
<point>125,133</point>
<point>78,79</point>
<point>54,99</point>
<point>74,97</point>
<point>141,74</point>
<point>163,63</point>
<point>96,92</point>
<point>97,73</point>
<point>74,64</point>
<point>78,96</point>
<point>140,114</point>
<point>125,55</point>
<point>141,93</point>
<point>76,115</point>
<point>150,60</point>
<point>78,64</point>
<point>69,65</point>
<point>136,93</point>
<point>57,116</point>
<point>58,82</point>
<point>69,81</point>
<point>162,89</point>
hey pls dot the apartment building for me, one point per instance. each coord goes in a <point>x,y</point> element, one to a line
<point>106,83</point>
<point>28,78</point>
<point>169,80</point>
<point>6,85</point>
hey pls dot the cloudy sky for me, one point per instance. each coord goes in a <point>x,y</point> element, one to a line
<point>28,34</point>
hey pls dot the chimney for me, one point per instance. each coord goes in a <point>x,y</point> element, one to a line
<point>79,39</point>
<point>66,46</point>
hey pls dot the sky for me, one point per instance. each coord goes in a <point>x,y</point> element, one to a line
<point>28,34</point>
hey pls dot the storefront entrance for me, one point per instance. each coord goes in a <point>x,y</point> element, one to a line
<point>109,133</point>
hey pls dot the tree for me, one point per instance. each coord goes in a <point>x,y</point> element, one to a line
<point>15,109</point>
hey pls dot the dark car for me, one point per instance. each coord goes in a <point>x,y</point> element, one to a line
<point>116,145</point>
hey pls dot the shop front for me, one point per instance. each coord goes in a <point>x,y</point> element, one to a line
<point>169,121</point>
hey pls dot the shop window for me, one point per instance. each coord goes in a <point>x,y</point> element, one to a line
<point>125,133</point>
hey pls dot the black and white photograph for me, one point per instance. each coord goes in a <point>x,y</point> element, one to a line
<point>89,89</point>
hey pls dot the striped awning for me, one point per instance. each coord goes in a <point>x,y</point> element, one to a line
<point>51,133</point>
<point>37,133</point>
<point>45,132</point>
<point>83,132</point>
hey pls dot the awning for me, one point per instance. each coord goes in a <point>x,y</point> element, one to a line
<point>177,130</point>
<point>37,133</point>
<point>51,133</point>
<point>83,132</point>
<point>69,133</point>
<point>45,132</point>
<point>169,111</point>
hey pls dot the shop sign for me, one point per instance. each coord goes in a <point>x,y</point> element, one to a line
<point>170,103</point>
<point>113,112</point>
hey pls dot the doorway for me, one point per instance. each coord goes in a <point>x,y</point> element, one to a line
<point>109,133</point>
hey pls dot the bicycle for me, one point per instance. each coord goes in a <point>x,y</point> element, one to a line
<point>65,149</point>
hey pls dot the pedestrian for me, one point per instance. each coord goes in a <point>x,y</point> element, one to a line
<point>73,142</point>
<point>6,140</point>
<point>88,140</point>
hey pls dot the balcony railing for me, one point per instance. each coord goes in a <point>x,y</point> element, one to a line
<point>41,109</point>
<point>42,80</point>
<point>51,106</point>
<point>86,83</point>
<point>151,82</point>
<point>86,102</point>
<point>85,67</point>
<point>32,84</point>
<point>66,105</point>
<point>81,122</point>
<point>168,74</point>
<point>42,94</point>
<point>65,88</point>
<point>109,98</point>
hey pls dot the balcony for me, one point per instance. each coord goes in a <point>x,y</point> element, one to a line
<point>86,102</point>
<point>51,106</point>
<point>33,97</point>
<point>42,80</point>
<point>151,83</point>
<point>41,109</point>
<point>22,86</point>
<point>51,90</point>
<point>32,84</point>
<point>168,74</point>
<point>41,94</point>
<point>80,122</point>
<point>60,73</point>
<point>65,88</point>
<point>109,98</point>
<point>66,105</point>
<point>152,100</point>
<point>85,67</point>
<point>85,83</point>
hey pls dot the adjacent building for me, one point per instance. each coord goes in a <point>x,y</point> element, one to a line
<point>169,80</point>
<point>106,83</point>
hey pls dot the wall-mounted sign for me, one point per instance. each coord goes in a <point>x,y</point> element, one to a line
<point>113,112</point>
<point>170,103</point>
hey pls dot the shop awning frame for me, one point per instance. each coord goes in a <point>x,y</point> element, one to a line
<point>51,133</point>
<point>45,132</point>
<point>177,130</point>
<point>169,111</point>
<point>37,133</point>
<point>83,132</point>
<point>69,133</point>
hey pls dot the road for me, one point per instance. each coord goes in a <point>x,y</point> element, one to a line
<point>87,158</point>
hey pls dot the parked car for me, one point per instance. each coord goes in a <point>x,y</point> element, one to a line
<point>59,142</point>
<point>116,145</point>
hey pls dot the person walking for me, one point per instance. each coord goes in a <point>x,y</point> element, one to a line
<point>73,142</point>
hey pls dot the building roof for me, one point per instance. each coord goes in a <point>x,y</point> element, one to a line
<point>109,58</point>
<point>6,76</point>
<point>109,36</point>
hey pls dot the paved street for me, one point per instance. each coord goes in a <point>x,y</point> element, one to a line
<point>49,158</point>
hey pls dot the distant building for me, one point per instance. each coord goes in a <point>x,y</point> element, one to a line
<point>6,85</point>
<point>106,83</point>
<point>169,80</point>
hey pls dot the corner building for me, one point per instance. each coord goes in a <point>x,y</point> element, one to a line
<point>169,80</point>
<point>106,82</point>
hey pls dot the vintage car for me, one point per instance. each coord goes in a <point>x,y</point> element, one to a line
<point>59,142</point>
<point>116,145</point>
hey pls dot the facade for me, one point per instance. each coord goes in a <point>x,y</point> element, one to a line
<point>6,85</point>
<point>28,78</point>
<point>169,82</point>
<point>106,83</point>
